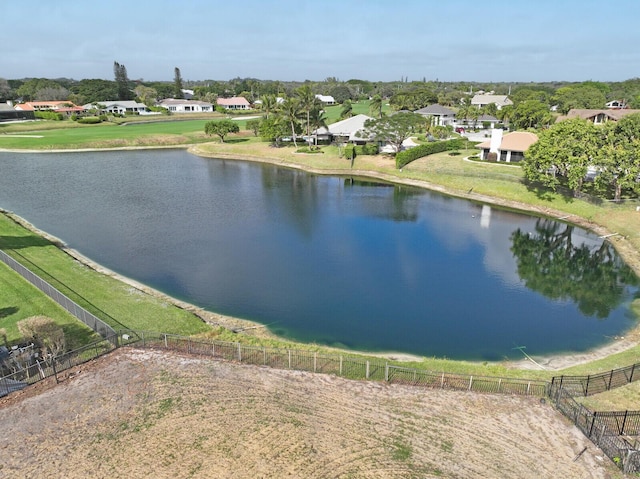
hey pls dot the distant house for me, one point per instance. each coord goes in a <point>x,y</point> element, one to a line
<point>60,106</point>
<point>441,115</point>
<point>597,117</point>
<point>509,148</point>
<point>186,106</point>
<point>326,99</point>
<point>187,94</point>
<point>483,100</point>
<point>234,103</point>
<point>616,105</point>
<point>492,121</point>
<point>9,113</point>
<point>121,107</point>
<point>344,131</point>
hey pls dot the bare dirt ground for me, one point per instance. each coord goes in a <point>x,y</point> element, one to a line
<point>140,413</point>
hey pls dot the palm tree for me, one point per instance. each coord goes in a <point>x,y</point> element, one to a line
<point>269,103</point>
<point>308,102</point>
<point>375,106</point>
<point>290,111</point>
<point>317,119</point>
<point>347,109</point>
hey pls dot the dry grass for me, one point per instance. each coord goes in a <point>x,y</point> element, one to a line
<point>149,414</point>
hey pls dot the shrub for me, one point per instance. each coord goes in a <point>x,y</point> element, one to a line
<point>367,149</point>
<point>405,157</point>
<point>306,149</point>
<point>49,115</point>
<point>492,156</point>
<point>350,152</point>
<point>90,120</point>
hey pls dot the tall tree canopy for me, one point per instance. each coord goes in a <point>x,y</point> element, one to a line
<point>177,84</point>
<point>122,82</point>
<point>393,129</point>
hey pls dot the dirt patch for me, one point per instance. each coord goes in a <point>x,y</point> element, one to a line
<point>136,413</point>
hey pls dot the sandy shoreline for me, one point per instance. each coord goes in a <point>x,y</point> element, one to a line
<point>552,363</point>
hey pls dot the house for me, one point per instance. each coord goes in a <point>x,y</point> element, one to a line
<point>326,99</point>
<point>8,113</point>
<point>616,105</point>
<point>59,106</point>
<point>509,148</point>
<point>344,131</point>
<point>483,100</point>
<point>234,103</point>
<point>441,115</point>
<point>186,106</point>
<point>489,120</point>
<point>597,117</point>
<point>120,107</point>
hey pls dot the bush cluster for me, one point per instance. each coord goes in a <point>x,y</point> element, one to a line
<point>405,157</point>
<point>90,120</point>
<point>49,115</point>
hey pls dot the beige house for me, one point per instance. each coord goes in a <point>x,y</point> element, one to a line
<point>597,117</point>
<point>509,148</point>
<point>483,100</point>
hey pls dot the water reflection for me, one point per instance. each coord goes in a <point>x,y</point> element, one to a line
<point>591,275</point>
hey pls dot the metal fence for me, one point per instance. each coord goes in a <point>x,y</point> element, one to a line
<point>95,323</point>
<point>596,383</point>
<point>42,369</point>
<point>599,428</point>
<point>351,367</point>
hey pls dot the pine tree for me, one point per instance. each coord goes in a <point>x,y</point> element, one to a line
<point>122,81</point>
<point>177,84</point>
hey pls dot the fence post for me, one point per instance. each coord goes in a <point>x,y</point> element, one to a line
<point>624,421</point>
<point>264,355</point>
<point>289,358</point>
<point>470,382</point>
<point>610,379</point>
<point>633,368</point>
<point>315,361</point>
<point>143,343</point>
<point>165,342</point>
<point>367,371</point>
<point>442,381</point>
<point>340,365</point>
<point>593,421</point>
<point>386,372</point>
<point>239,353</point>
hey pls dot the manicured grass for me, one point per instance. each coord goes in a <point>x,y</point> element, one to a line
<point>117,303</point>
<point>69,135</point>
<point>20,300</point>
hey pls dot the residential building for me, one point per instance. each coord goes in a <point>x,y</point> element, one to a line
<point>59,106</point>
<point>597,117</point>
<point>508,147</point>
<point>326,99</point>
<point>483,100</point>
<point>234,103</point>
<point>120,107</point>
<point>186,106</point>
<point>344,131</point>
<point>441,115</point>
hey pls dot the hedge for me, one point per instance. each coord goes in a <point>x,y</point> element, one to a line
<point>405,157</point>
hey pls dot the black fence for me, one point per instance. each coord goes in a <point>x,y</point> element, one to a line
<point>596,383</point>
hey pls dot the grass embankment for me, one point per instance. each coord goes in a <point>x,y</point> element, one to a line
<point>121,304</point>
<point>117,303</point>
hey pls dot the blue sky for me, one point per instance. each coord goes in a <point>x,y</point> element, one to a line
<point>376,40</point>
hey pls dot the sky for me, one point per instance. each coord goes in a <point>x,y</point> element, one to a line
<point>286,40</point>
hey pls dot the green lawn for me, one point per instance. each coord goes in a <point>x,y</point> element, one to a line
<point>359,107</point>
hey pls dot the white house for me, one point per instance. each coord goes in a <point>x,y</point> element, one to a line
<point>345,130</point>
<point>509,148</point>
<point>234,103</point>
<point>186,106</point>
<point>484,100</point>
<point>119,107</point>
<point>441,115</point>
<point>326,99</point>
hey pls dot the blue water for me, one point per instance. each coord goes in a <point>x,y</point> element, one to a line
<point>330,260</point>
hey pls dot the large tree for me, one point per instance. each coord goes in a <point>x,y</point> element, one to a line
<point>177,84</point>
<point>95,90</point>
<point>618,161</point>
<point>290,111</point>
<point>221,128</point>
<point>531,114</point>
<point>394,129</point>
<point>580,96</point>
<point>122,82</point>
<point>375,106</point>
<point>563,152</point>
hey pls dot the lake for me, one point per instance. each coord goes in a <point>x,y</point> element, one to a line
<point>338,261</point>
